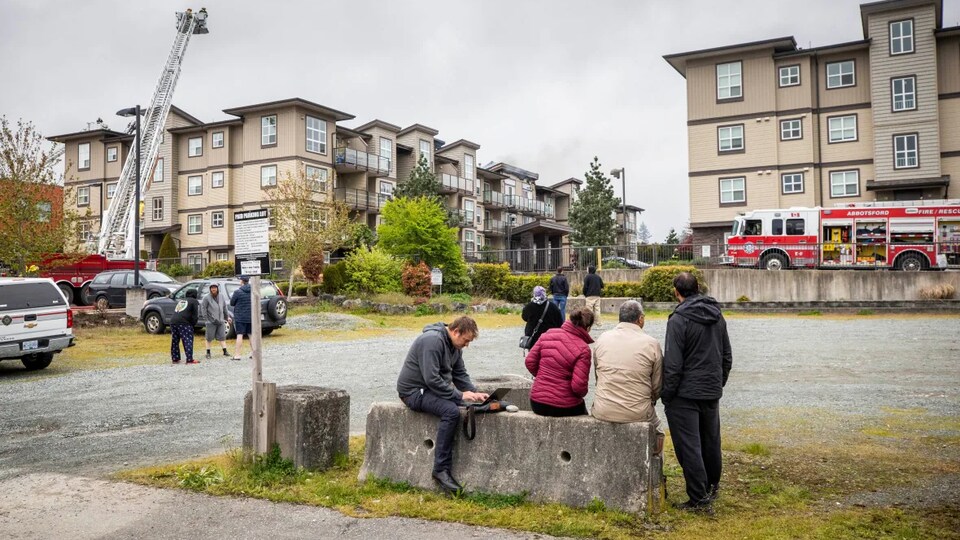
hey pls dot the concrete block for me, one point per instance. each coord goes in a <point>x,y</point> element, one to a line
<point>519,386</point>
<point>312,425</point>
<point>570,460</point>
<point>136,297</point>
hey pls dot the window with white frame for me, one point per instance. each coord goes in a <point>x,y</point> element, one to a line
<point>425,150</point>
<point>111,153</point>
<point>843,128</point>
<point>792,183</point>
<point>278,264</point>
<point>386,148</point>
<point>158,208</point>
<point>901,37</point>
<point>83,196</point>
<point>469,207</point>
<point>386,188</point>
<point>733,190</point>
<point>469,241</point>
<point>730,138</point>
<point>844,183</point>
<point>789,75</point>
<point>271,219</point>
<point>83,231</point>
<point>791,129</point>
<point>195,147</point>
<point>268,175</point>
<point>316,135</point>
<point>904,90</point>
<point>268,130</point>
<point>216,140</point>
<point>158,171</point>
<point>317,176</point>
<point>195,224</point>
<point>468,166</point>
<point>83,156</point>
<point>729,83</point>
<point>905,151</point>
<point>195,261</point>
<point>216,219</point>
<point>194,185</point>
<point>222,256</point>
<point>840,74</point>
<point>317,219</point>
<point>111,189</point>
<point>216,179</point>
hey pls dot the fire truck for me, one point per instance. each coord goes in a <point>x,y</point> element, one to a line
<point>901,235</point>
<point>74,277</point>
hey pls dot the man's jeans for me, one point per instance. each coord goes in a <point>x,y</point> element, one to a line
<point>449,414</point>
<point>561,302</point>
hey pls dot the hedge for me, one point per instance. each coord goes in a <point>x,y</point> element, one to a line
<point>489,280</point>
<point>334,277</point>
<point>656,285</point>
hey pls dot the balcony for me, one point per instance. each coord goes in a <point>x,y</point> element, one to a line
<point>350,160</point>
<point>631,227</point>
<point>494,227</point>
<point>359,199</point>
<point>493,199</point>
<point>460,218</point>
<point>543,209</point>
<point>454,184</point>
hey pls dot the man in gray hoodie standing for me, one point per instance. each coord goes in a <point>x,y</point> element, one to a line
<point>433,380</point>
<point>213,310</point>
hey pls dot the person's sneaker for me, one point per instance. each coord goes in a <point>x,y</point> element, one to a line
<point>225,353</point>
<point>713,491</point>
<point>699,508</point>
<point>175,361</point>
<point>447,482</point>
<point>193,361</point>
<point>207,356</point>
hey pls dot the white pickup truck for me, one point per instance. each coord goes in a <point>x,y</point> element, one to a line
<point>36,321</point>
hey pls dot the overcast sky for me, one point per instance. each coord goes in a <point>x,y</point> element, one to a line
<point>542,84</point>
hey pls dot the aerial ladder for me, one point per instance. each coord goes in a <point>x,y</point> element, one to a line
<point>116,235</point>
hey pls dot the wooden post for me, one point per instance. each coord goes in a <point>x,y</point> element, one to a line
<point>264,393</point>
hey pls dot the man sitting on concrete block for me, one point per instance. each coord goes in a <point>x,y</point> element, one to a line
<point>433,380</point>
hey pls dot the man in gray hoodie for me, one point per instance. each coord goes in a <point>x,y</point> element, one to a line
<point>213,310</point>
<point>434,380</point>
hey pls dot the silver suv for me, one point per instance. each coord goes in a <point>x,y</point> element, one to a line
<point>36,321</point>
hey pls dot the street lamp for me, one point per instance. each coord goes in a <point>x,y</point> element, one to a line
<point>510,221</point>
<point>135,111</point>
<point>621,173</point>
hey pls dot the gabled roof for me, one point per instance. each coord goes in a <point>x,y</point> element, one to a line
<point>352,133</point>
<point>487,173</point>
<point>379,124</point>
<point>630,207</point>
<point>419,127</point>
<point>679,60</point>
<point>100,134</point>
<point>298,102</point>
<point>186,116</point>
<point>460,142</point>
<point>570,180</point>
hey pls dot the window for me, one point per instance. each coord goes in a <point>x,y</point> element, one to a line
<point>468,166</point>
<point>316,135</point>
<point>795,227</point>
<point>776,228</point>
<point>195,147</point>
<point>195,261</point>
<point>216,219</point>
<point>792,183</point>
<point>469,241</point>
<point>278,264</point>
<point>111,189</point>
<point>317,177</point>
<point>194,185</point>
<point>386,188</point>
<point>268,176</point>
<point>733,190</point>
<point>840,74</point>
<point>904,90</point>
<point>730,138</point>
<point>158,208</point>
<point>845,184</point>
<point>216,179</point>
<point>425,150</point>
<point>728,81</point>
<point>216,140</point>
<point>386,148</point>
<point>843,128</point>
<point>111,153</point>
<point>83,196</point>
<point>901,37</point>
<point>83,156</point>
<point>83,231</point>
<point>905,151</point>
<point>317,219</point>
<point>222,256</point>
<point>791,129</point>
<point>789,76</point>
<point>158,171</point>
<point>195,224</point>
<point>271,219</point>
<point>469,207</point>
<point>268,130</point>
<point>44,210</point>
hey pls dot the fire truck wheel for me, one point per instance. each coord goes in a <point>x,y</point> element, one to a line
<point>774,261</point>
<point>67,292</point>
<point>910,262</point>
<point>85,297</point>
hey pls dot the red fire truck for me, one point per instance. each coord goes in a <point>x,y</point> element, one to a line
<point>902,235</point>
<point>74,278</point>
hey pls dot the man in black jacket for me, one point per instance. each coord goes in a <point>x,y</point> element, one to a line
<point>560,289</point>
<point>592,288</point>
<point>435,381</point>
<point>696,363</point>
<point>184,319</point>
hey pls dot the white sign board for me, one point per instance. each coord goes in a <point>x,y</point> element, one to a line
<point>705,252</point>
<point>251,241</point>
<point>436,277</point>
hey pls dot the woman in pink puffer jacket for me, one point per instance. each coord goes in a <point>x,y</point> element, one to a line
<point>560,363</point>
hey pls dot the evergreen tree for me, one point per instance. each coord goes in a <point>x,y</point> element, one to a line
<point>168,249</point>
<point>643,233</point>
<point>592,214</point>
<point>421,183</point>
<point>672,237</point>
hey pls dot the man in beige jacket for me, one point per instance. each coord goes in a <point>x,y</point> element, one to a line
<point>629,369</point>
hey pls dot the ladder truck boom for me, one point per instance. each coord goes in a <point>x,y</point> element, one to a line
<point>115,239</point>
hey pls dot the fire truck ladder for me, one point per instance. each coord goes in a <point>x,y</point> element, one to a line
<point>117,230</point>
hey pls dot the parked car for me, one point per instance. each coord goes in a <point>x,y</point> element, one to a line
<point>629,263</point>
<point>74,276</point>
<point>156,313</point>
<point>36,321</point>
<point>109,289</point>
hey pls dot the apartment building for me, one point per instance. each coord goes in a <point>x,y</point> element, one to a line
<point>627,225</point>
<point>773,125</point>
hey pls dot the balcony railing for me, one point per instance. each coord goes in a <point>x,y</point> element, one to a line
<point>348,159</point>
<point>493,199</point>
<point>359,199</point>
<point>452,184</point>
<point>494,227</point>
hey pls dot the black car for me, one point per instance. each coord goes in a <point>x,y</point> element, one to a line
<point>109,289</point>
<point>156,313</point>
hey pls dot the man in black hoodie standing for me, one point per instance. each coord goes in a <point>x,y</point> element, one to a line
<point>185,315</point>
<point>433,380</point>
<point>696,363</point>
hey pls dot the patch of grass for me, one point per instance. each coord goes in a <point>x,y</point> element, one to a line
<point>866,312</point>
<point>809,313</point>
<point>756,449</point>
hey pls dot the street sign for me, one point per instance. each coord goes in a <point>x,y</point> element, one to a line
<point>436,277</point>
<point>251,241</point>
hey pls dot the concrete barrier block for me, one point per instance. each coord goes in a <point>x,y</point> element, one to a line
<point>312,426</point>
<point>519,386</point>
<point>570,460</point>
<point>134,303</point>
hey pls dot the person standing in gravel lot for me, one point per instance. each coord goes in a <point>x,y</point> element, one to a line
<point>213,310</point>
<point>184,319</point>
<point>560,289</point>
<point>241,314</point>
<point>696,364</point>
<point>592,288</point>
<point>434,380</point>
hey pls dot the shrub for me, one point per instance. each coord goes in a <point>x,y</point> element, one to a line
<point>622,289</point>
<point>168,249</point>
<point>743,298</point>
<point>519,289</point>
<point>416,280</point>
<point>373,271</point>
<point>656,285</point>
<point>300,289</point>
<point>944,291</point>
<point>312,267</point>
<point>489,279</point>
<point>219,269</point>
<point>176,269</point>
<point>456,280</point>
<point>335,277</point>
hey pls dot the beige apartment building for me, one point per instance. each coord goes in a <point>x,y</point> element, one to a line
<point>773,125</point>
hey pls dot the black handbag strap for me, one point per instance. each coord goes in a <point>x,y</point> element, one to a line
<point>542,315</point>
<point>470,423</point>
